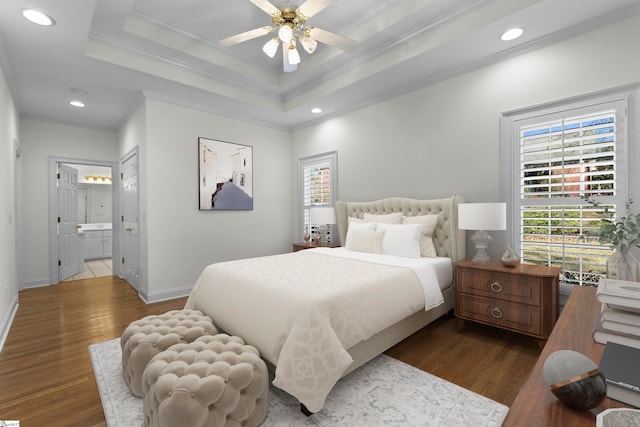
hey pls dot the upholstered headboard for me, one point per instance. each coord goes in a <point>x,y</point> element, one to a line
<point>447,238</point>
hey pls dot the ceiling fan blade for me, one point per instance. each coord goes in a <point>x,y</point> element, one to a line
<point>311,7</point>
<point>332,39</point>
<point>247,35</point>
<point>266,6</point>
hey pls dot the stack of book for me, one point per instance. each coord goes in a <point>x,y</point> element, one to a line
<point>617,326</point>
<point>618,318</point>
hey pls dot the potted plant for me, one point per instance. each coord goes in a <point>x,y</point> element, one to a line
<point>622,235</point>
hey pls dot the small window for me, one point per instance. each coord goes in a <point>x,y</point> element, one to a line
<point>318,183</point>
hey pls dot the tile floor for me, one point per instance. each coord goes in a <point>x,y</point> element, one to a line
<point>94,268</point>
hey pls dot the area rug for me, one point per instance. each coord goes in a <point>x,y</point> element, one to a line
<point>384,392</point>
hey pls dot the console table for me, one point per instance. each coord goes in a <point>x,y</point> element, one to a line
<point>535,405</point>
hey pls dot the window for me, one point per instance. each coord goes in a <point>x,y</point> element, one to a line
<point>318,183</point>
<point>558,156</point>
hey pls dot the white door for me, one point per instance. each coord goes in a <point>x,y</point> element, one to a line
<point>130,243</point>
<point>70,257</point>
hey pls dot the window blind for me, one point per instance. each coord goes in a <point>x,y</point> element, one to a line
<point>563,159</point>
<point>318,183</point>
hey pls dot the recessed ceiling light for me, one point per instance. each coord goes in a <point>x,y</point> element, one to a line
<point>38,17</point>
<point>76,103</point>
<point>316,110</point>
<point>511,34</point>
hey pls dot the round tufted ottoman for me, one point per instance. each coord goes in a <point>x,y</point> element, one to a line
<point>213,381</point>
<point>150,335</point>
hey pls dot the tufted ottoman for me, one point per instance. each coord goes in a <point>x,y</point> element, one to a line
<point>213,381</point>
<point>150,335</point>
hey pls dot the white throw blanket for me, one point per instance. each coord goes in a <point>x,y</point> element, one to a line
<point>303,309</point>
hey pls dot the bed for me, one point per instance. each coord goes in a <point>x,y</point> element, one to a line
<point>318,314</point>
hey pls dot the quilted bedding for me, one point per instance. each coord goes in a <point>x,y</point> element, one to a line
<point>303,310</point>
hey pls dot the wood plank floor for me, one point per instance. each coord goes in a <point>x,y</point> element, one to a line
<point>46,378</point>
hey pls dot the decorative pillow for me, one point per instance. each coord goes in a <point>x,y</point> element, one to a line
<point>392,218</point>
<point>353,226</point>
<point>429,223</point>
<point>366,241</point>
<point>401,239</point>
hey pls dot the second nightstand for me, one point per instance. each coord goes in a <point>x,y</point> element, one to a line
<point>523,298</point>
<point>303,245</point>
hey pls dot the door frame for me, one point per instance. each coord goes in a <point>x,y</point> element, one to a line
<point>133,153</point>
<point>53,209</point>
<point>17,217</point>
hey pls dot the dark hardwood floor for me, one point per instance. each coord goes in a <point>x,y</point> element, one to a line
<point>46,377</point>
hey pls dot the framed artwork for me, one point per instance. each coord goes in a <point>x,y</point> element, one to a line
<point>225,175</point>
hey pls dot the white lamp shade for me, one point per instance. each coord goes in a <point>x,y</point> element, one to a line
<point>270,47</point>
<point>482,216</point>
<point>294,56</point>
<point>309,44</point>
<point>323,215</point>
<point>285,33</point>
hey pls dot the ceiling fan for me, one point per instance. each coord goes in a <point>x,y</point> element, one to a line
<point>289,25</point>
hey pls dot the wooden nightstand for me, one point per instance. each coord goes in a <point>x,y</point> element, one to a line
<point>523,298</point>
<point>303,245</point>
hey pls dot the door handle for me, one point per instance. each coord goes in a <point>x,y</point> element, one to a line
<point>128,229</point>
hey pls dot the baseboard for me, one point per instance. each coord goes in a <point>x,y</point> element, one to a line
<point>8,321</point>
<point>165,295</point>
<point>36,284</point>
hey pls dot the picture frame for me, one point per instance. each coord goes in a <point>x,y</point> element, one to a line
<point>225,172</point>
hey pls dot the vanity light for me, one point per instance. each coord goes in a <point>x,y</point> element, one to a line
<point>316,110</point>
<point>511,34</point>
<point>38,17</point>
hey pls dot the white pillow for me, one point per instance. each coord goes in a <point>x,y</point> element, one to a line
<point>366,241</point>
<point>401,239</point>
<point>429,223</point>
<point>353,226</point>
<point>392,218</point>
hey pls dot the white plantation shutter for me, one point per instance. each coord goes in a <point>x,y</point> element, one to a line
<point>318,183</point>
<point>561,157</point>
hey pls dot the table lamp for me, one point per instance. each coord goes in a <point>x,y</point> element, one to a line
<point>321,217</point>
<point>482,217</point>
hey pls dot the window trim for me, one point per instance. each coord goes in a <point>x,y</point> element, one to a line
<point>510,149</point>
<point>332,158</point>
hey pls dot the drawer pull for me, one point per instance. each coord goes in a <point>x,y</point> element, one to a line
<point>496,313</point>
<point>496,287</point>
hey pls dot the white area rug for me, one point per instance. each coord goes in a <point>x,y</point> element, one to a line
<point>384,392</point>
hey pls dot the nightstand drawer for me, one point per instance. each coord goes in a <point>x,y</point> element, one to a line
<point>500,286</point>
<point>515,317</point>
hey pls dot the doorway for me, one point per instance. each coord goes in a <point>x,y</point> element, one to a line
<point>82,218</point>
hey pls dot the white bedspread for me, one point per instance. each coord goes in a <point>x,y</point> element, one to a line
<point>303,309</point>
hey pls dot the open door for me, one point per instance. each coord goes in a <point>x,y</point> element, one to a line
<point>70,250</point>
<point>130,242</point>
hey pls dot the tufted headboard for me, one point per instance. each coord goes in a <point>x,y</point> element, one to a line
<point>448,239</point>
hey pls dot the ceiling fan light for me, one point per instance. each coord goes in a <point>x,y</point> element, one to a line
<point>309,44</point>
<point>285,33</point>
<point>270,48</point>
<point>294,56</point>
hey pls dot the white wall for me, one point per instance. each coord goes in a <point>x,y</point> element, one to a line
<point>8,276</point>
<point>180,239</point>
<point>39,141</point>
<point>443,139</point>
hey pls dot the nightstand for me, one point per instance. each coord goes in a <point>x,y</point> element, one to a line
<point>522,299</point>
<point>303,245</point>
